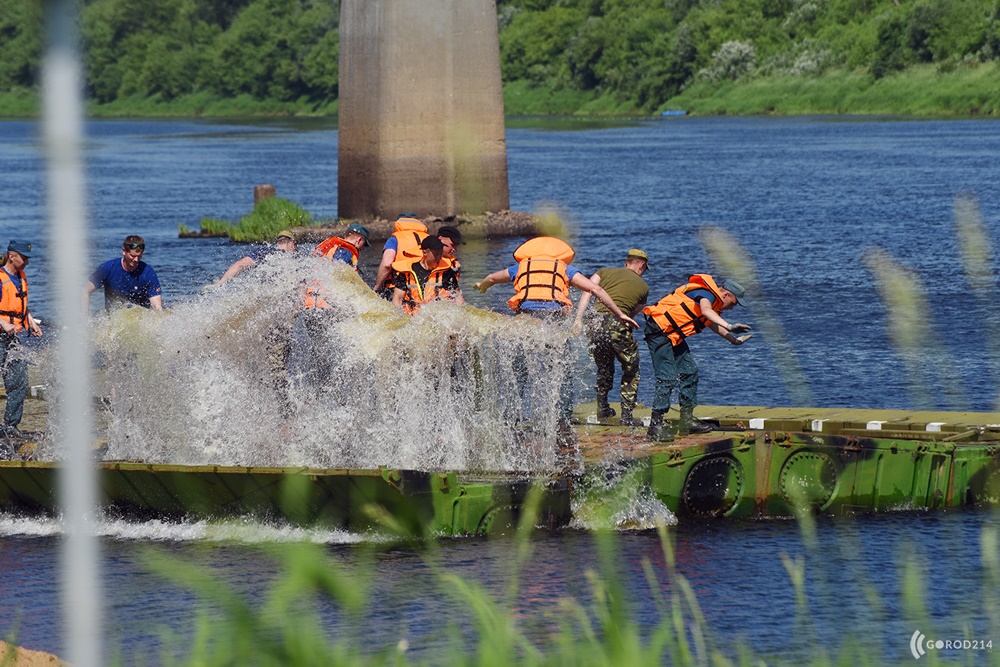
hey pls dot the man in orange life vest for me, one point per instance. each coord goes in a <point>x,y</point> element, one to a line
<point>407,234</point>
<point>14,318</point>
<point>542,278</point>
<point>684,312</point>
<point>429,278</point>
<point>451,237</point>
<point>347,249</point>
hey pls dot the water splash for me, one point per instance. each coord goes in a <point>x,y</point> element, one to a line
<point>241,531</point>
<point>28,526</point>
<point>617,496</point>
<point>243,375</point>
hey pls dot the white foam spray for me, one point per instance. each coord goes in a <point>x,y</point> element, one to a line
<point>451,388</point>
<point>235,531</point>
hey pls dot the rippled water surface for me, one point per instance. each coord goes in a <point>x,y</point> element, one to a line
<point>807,198</point>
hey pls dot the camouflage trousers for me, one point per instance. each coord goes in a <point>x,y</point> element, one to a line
<point>611,340</point>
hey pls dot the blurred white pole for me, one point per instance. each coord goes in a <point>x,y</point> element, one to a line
<point>63,121</point>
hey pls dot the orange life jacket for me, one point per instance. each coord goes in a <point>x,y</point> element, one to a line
<point>14,303</point>
<point>330,246</point>
<point>314,294</point>
<point>680,316</point>
<point>541,272</point>
<point>314,298</point>
<point>432,289</point>
<point>409,232</point>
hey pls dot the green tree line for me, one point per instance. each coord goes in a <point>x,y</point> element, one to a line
<point>645,52</point>
<point>634,54</point>
<point>281,50</point>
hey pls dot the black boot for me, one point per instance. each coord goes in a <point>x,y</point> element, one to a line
<point>627,419</point>
<point>698,426</point>
<point>691,425</point>
<point>603,409</point>
<point>659,430</point>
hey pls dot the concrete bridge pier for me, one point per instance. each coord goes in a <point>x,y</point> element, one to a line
<point>421,125</point>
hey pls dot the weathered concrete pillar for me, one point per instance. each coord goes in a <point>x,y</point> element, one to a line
<point>421,125</point>
<point>262,192</point>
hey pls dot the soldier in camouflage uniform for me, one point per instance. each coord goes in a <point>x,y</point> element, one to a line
<point>610,339</point>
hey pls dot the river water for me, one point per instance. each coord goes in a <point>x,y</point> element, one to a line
<point>808,199</point>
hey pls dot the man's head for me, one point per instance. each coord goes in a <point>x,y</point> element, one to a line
<point>433,251</point>
<point>285,241</point>
<point>357,234</point>
<point>18,253</point>
<point>637,260</point>
<point>450,237</point>
<point>132,249</point>
<point>731,294</point>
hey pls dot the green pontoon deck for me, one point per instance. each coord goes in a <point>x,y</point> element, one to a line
<point>761,462</point>
<point>768,462</point>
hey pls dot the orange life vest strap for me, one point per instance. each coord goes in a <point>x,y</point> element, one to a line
<point>330,246</point>
<point>19,317</point>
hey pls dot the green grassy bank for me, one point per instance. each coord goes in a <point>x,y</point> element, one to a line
<point>25,103</point>
<point>927,90</point>
<point>919,91</point>
<point>958,90</point>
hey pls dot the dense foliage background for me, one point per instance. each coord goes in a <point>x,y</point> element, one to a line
<point>570,54</point>
<point>648,51</point>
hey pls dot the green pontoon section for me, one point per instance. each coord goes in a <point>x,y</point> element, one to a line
<point>775,462</point>
<point>762,462</point>
<point>420,503</point>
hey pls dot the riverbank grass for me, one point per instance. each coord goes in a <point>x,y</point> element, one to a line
<point>521,98</point>
<point>26,103</point>
<point>19,103</point>
<point>927,90</point>
<point>949,89</point>
<point>208,105</point>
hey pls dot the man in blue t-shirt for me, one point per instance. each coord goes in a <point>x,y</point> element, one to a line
<point>127,280</point>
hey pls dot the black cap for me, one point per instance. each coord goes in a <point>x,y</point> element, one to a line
<point>451,233</point>
<point>431,243</point>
